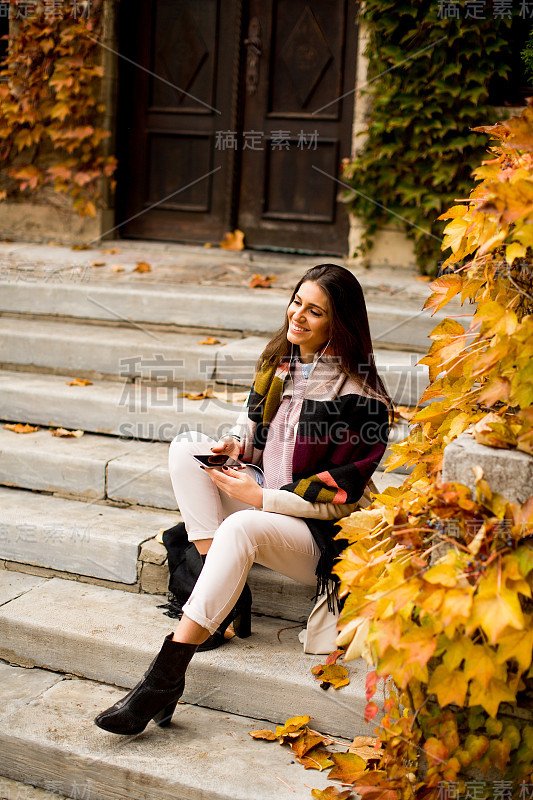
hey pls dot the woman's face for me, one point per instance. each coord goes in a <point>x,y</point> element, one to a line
<point>309,319</point>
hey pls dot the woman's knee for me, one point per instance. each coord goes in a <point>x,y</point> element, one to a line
<point>186,444</point>
<point>244,527</point>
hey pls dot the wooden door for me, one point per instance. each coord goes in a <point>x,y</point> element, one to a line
<point>304,61</point>
<point>229,117</point>
<point>178,85</point>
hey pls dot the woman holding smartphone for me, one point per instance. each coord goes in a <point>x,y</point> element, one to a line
<point>313,431</point>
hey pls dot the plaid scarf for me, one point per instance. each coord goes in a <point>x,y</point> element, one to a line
<point>342,434</point>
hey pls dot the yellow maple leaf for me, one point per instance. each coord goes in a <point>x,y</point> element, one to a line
<point>518,645</point>
<point>348,767</point>
<point>333,674</point>
<point>450,686</point>
<point>444,574</point>
<point>490,698</point>
<point>233,241</point>
<point>494,609</point>
<point>480,663</point>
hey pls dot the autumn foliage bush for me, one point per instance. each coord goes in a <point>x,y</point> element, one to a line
<point>51,111</point>
<point>437,582</point>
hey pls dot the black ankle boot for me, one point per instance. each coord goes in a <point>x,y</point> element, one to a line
<point>155,696</point>
<point>240,617</point>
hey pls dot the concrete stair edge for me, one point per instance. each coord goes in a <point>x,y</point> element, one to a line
<point>101,635</point>
<point>232,309</point>
<point>100,353</point>
<point>48,738</point>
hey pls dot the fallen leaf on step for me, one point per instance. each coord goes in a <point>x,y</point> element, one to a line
<point>331,793</point>
<point>81,247</point>
<point>98,263</point>
<point>348,767</point>
<point>233,241</point>
<point>332,658</point>
<point>80,382</point>
<point>292,727</point>
<point>209,340</point>
<point>112,250</point>
<point>63,432</point>
<point>261,281</point>
<point>206,393</point>
<point>18,427</point>
<point>207,244</point>
<point>317,758</point>
<point>306,741</point>
<point>142,266</point>
<point>270,736</point>
<point>368,747</point>
<point>333,675</point>
<point>117,268</point>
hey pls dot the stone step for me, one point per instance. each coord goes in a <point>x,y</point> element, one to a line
<point>102,544</point>
<point>58,535</point>
<point>400,325</point>
<point>95,467</point>
<point>121,409</point>
<point>48,739</point>
<point>111,636</point>
<point>87,539</point>
<point>96,351</point>
<point>125,410</point>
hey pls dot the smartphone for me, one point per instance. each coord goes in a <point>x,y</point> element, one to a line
<point>219,460</point>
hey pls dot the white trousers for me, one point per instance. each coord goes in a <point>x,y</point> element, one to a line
<point>241,536</point>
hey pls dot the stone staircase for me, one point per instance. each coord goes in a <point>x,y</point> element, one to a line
<point>83,570</point>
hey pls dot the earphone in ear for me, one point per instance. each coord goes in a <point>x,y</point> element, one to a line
<point>324,349</point>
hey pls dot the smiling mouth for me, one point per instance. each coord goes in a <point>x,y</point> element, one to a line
<point>297,329</point>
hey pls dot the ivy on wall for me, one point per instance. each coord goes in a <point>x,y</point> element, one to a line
<point>429,82</point>
<point>51,111</point>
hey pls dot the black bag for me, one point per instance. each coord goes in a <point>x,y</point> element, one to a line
<point>184,564</point>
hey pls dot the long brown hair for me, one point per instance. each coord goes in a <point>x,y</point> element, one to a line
<point>349,332</point>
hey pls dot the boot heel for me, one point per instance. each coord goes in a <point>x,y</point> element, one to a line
<point>164,717</point>
<point>242,624</point>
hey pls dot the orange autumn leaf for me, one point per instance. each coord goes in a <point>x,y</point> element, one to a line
<point>203,395</point>
<point>142,266</point>
<point>80,382</point>
<point>331,675</point>
<point>233,241</point>
<point>375,785</point>
<point>270,736</point>
<point>63,432</point>
<point>306,741</point>
<point>331,793</point>
<point>368,747</point>
<point>348,767</point>
<point>111,250</point>
<point>292,726</point>
<point>317,758</point>
<point>19,427</point>
<point>261,281</point>
<point>332,658</point>
<point>371,710</point>
<point>209,340</point>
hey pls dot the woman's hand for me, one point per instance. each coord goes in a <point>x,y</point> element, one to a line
<point>227,446</point>
<point>238,484</point>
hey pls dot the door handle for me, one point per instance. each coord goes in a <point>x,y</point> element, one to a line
<point>254,51</point>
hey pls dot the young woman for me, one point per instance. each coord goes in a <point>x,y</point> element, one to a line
<point>314,431</point>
